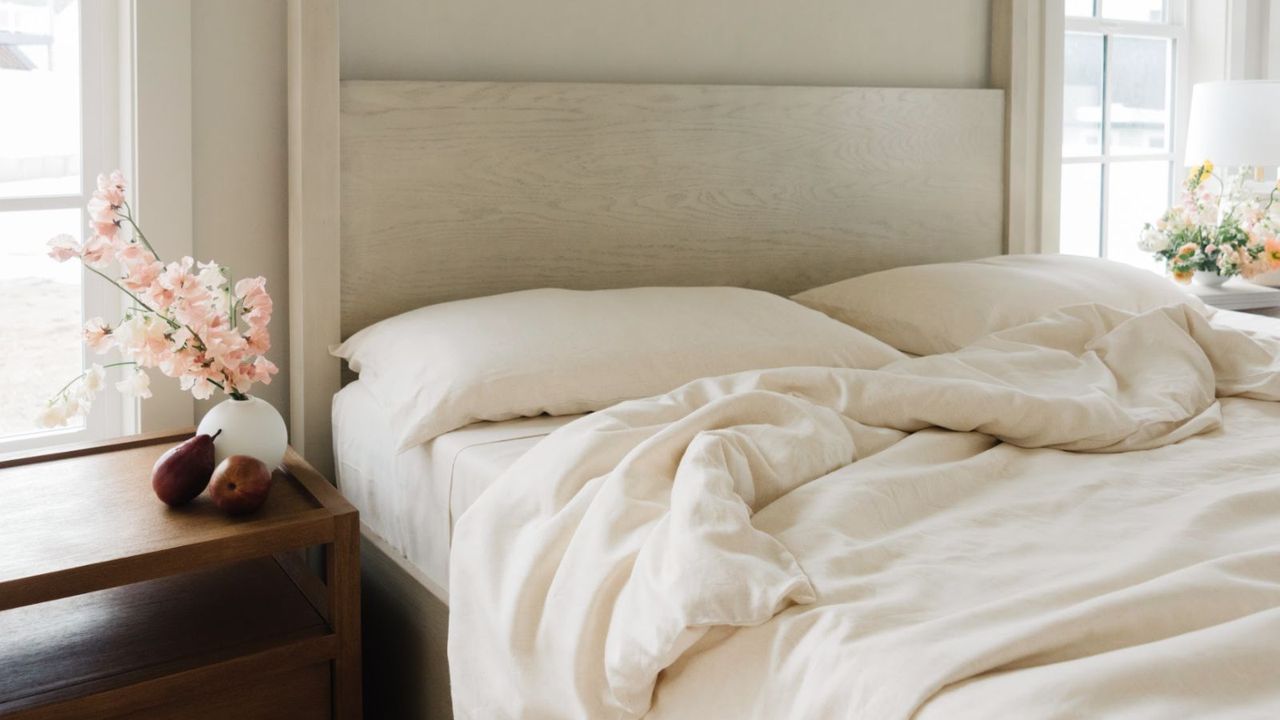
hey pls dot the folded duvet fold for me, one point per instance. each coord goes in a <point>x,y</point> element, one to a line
<point>625,546</point>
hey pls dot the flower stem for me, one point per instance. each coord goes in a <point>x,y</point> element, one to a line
<point>128,215</point>
<point>121,288</point>
<point>79,377</point>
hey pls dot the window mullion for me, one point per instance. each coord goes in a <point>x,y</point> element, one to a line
<point>1121,27</point>
<point>1105,184</point>
<point>1104,209</point>
<point>1082,159</point>
<point>52,202</point>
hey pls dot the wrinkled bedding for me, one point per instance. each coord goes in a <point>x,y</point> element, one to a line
<point>1061,520</point>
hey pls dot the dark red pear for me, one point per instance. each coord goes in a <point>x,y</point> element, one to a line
<point>183,471</point>
<point>240,484</point>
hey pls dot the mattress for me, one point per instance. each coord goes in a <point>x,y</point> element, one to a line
<point>413,499</point>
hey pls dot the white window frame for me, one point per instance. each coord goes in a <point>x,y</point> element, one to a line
<point>139,59</point>
<point>1057,25</point>
<point>99,148</point>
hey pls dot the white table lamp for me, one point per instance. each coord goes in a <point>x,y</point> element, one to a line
<point>1235,123</point>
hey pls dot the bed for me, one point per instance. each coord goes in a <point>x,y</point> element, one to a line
<point>418,194</point>
<point>948,524</point>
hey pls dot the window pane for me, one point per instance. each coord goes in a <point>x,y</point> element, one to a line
<point>1080,8</point>
<point>41,315</point>
<point>1142,10</point>
<point>1140,94</point>
<point>1139,194</point>
<point>1081,224</point>
<point>1082,95</point>
<point>40,146</point>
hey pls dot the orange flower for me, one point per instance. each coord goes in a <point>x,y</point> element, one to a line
<point>1189,249</point>
<point>1272,252</point>
<point>1183,276</point>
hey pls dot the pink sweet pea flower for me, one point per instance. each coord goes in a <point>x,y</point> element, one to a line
<point>192,311</point>
<point>224,346</point>
<point>210,275</point>
<point>111,188</point>
<point>199,386</point>
<point>141,338</point>
<point>102,212</point>
<point>97,335</point>
<point>64,247</point>
<point>263,369</point>
<point>158,296</point>
<point>105,229</point>
<point>141,277</point>
<point>178,278</point>
<point>255,302</point>
<point>259,340</point>
<point>136,384</point>
<point>98,251</point>
<point>133,253</point>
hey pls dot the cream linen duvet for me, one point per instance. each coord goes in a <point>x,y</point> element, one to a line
<point>903,542</point>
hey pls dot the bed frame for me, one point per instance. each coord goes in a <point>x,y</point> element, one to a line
<point>404,194</point>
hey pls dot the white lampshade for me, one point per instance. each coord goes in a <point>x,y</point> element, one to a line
<point>1235,123</point>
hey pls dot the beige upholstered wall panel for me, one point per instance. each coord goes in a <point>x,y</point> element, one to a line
<point>455,190</point>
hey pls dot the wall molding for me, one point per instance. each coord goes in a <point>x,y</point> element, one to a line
<point>314,195</point>
<point>162,159</point>
<point>1022,37</point>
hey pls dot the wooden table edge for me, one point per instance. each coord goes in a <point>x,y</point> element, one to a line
<point>316,528</point>
<point>62,452</point>
<point>175,686</point>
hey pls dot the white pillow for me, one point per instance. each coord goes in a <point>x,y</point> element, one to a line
<point>929,309</point>
<point>563,352</point>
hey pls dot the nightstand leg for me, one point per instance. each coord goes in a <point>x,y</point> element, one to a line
<point>342,571</point>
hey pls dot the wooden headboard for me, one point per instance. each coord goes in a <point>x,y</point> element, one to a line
<point>455,190</point>
<point>402,194</point>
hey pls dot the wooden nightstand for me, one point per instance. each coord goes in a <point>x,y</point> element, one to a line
<point>1239,294</point>
<point>113,605</point>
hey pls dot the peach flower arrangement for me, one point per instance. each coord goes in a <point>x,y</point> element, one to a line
<point>1217,228</point>
<point>188,320</point>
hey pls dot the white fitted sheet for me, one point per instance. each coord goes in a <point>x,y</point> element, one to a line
<point>412,499</point>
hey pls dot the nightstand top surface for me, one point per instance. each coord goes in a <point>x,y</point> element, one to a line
<point>85,519</point>
<point>1237,294</point>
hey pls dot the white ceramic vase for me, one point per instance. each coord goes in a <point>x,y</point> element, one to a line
<point>1209,278</point>
<point>249,427</point>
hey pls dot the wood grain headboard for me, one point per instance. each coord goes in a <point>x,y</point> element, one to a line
<point>455,190</point>
<point>436,191</point>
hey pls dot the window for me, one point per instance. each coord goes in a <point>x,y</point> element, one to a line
<point>57,86</point>
<point>1123,72</point>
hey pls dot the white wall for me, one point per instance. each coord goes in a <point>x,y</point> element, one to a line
<point>923,43</point>
<point>1235,40</point>
<point>239,154</point>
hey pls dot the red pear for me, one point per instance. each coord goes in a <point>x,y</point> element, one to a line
<point>240,484</point>
<point>184,470</point>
